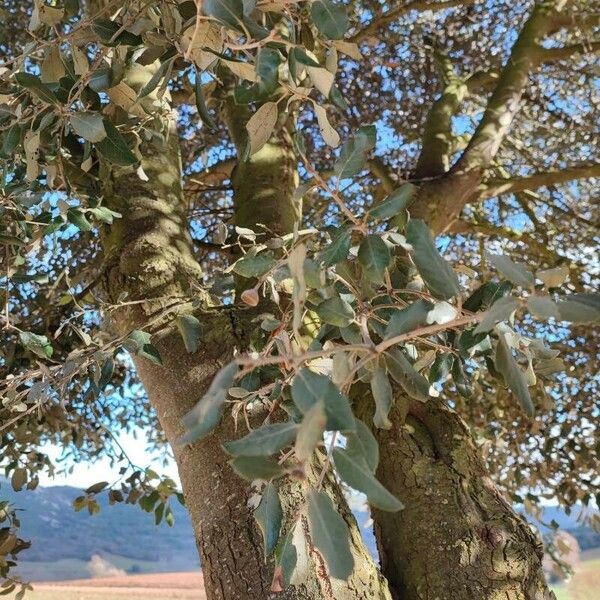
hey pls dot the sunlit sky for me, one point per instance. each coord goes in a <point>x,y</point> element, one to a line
<point>84,474</point>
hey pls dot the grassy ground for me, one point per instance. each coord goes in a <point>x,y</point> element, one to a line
<point>585,584</point>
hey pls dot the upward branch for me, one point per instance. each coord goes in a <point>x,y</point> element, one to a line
<point>394,14</point>
<point>505,100</point>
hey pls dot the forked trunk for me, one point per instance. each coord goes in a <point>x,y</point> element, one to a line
<point>149,255</point>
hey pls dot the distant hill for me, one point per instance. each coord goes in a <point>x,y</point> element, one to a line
<point>64,541</point>
<point>122,531</point>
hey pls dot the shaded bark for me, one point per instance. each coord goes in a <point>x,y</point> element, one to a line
<point>458,537</point>
<point>149,256</point>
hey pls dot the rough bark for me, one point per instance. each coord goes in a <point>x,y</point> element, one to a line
<point>149,255</point>
<point>457,538</point>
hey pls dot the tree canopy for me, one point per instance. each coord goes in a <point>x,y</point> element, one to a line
<point>397,198</point>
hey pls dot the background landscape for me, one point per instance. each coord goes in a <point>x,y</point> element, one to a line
<point>120,553</point>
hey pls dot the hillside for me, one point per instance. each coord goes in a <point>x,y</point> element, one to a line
<point>64,541</point>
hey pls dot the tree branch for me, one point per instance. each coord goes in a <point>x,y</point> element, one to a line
<point>505,100</point>
<point>554,54</point>
<point>495,187</point>
<point>395,13</point>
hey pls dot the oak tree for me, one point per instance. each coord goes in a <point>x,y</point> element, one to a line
<point>315,248</point>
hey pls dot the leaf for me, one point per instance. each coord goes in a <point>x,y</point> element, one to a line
<point>244,70</point>
<point>354,152</point>
<point>408,319</point>
<point>362,444</point>
<point>395,203</point>
<point>153,82</point>
<point>514,272</point>
<point>287,558</point>
<point>580,308</point>
<point>543,307</point>
<point>261,126</point>
<point>330,135</point>
<point>33,83</point>
<point>138,342</point>
<point>513,376</point>
<point>88,125</point>
<point>384,398</point>
<point>205,416</point>
<point>75,216</point>
<point>264,441</point>
<point>374,256</point>
<point>330,19</point>
<point>440,369</point>
<point>330,535</point>
<point>269,516</point>
<point>321,78</point>
<point>38,344</point>
<point>254,266</point>
<point>553,277</point>
<point>501,310</point>
<point>198,42</point>
<point>358,476</point>
<point>256,467</point>
<point>191,331</point>
<point>310,432</point>
<point>80,61</point>
<point>435,271</point>
<point>97,487</point>
<point>201,105</point>
<point>310,388</point>
<point>52,68</point>
<point>413,383</point>
<point>336,311</point>
<point>337,250</point>
<point>114,148</point>
<point>112,33</point>
<point>18,479</point>
<point>230,12</point>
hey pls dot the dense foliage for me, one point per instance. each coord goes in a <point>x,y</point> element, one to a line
<point>491,317</point>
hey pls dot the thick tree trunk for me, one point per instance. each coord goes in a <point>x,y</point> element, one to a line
<point>457,538</point>
<point>149,255</point>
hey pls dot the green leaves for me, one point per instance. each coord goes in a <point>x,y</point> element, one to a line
<point>264,441</point>
<point>229,12</point>
<point>138,342</point>
<point>514,272</point>
<point>336,311</point>
<point>580,308</point>
<point>114,148</point>
<point>88,125</point>
<point>354,152</point>
<point>256,467</point>
<point>310,432</point>
<point>408,319</point>
<point>330,19</point>
<point>395,203</point>
<point>38,344</point>
<point>513,376</point>
<point>501,310</point>
<point>35,84</point>
<point>356,473</point>
<point>310,388</point>
<point>383,396</point>
<point>201,104</point>
<point>254,266</point>
<point>269,516</point>
<point>330,535</point>
<point>191,331</point>
<point>337,250</point>
<point>413,383</point>
<point>113,34</point>
<point>363,445</point>
<point>435,271</point>
<point>205,416</point>
<point>374,256</point>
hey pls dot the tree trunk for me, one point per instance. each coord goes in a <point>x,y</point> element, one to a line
<point>457,538</point>
<point>149,255</point>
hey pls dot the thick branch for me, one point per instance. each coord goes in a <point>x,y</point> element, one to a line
<point>495,187</point>
<point>505,100</point>
<point>392,15</point>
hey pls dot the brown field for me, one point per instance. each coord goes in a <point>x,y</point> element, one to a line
<point>159,586</point>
